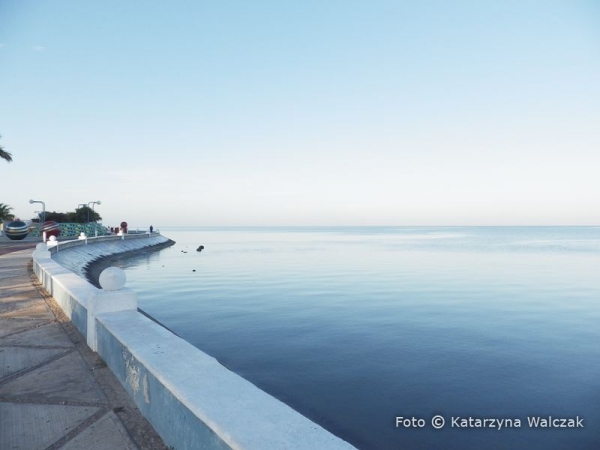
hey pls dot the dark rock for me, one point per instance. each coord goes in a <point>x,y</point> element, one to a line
<point>199,249</point>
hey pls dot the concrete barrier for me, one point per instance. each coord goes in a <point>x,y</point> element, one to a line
<point>83,252</point>
<point>192,401</point>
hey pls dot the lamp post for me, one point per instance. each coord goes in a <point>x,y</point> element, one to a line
<point>43,208</point>
<point>92,203</point>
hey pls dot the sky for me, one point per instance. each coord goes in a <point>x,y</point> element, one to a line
<point>323,113</point>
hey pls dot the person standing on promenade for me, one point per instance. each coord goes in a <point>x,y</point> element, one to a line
<point>151,229</point>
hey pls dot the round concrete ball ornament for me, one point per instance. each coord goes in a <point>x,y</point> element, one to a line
<point>16,230</point>
<point>112,279</point>
<point>51,228</point>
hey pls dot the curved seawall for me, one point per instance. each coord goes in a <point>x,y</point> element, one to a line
<point>88,261</point>
<point>191,400</point>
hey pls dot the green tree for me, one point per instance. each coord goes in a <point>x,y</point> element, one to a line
<point>5,213</point>
<point>5,155</point>
<point>80,215</point>
<point>55,216</point>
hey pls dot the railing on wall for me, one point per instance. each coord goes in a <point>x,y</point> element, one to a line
<point>62,245</point>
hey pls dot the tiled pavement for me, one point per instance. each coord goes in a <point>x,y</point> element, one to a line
<point>55,393</point>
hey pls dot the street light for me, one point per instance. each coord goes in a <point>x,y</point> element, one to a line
<point>92,203</point>
<point>43,208</point>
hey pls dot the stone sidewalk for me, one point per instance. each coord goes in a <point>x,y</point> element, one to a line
<point>55,393</point>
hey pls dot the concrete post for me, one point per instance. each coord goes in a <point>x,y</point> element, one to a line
<point>52,242</point>
<point>113,297</point>
<point>41,251</point>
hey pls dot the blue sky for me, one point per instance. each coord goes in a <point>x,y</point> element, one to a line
<point>303,113</point>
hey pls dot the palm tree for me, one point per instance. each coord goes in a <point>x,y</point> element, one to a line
<point>5,213</point>
<point>5,155</point>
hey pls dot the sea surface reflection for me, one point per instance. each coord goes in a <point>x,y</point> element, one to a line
<point>354,326</point>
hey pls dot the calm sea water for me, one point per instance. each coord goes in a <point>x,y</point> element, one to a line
<point>354,327</point>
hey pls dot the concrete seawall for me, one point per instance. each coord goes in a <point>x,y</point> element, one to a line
<point>191,400</point>
<point>88,261</point>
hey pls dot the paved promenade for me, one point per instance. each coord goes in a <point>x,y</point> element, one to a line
<point>55,393</point>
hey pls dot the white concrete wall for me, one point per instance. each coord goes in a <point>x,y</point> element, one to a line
<point>70,291</point>
<point>81,252</point>
<point>192,401</point>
